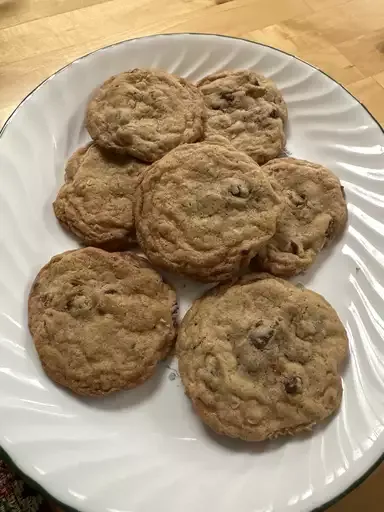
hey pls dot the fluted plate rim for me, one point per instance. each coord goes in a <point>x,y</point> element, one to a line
<point>316,497</point>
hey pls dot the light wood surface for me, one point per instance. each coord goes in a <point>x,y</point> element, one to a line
<point>345,38</point>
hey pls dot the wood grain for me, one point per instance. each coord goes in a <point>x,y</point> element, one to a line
<point>345,38</point>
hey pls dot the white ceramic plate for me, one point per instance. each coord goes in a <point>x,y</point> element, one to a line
<point>144,450</point>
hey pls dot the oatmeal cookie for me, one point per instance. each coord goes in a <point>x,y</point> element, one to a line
<point>260,358</point>
<point>204,210</point>
<point>315,213</point>
<point>100,321</point>
<point>96,201</point>
<point>145,113</point>
<point>247,110</point>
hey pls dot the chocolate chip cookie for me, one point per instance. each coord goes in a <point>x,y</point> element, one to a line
<point>96,201</point>
<point>145,113</point>
<point>100,321</point>
<point>204,210</point>
<point>315,213</point>
<point>247,110</point>
<point>260,358</point>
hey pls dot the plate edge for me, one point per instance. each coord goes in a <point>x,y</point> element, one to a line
<point>3,453</point>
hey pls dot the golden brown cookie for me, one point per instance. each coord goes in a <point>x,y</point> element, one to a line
<point>315,213</point>
<point>145,113</point>
<point>247,110</point>
<point>100,322</point>
<point>204,210</point>
<point>96,201</point>
<point>260,358</point>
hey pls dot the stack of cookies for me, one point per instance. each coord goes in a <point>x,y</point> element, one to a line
<point>195,175</point>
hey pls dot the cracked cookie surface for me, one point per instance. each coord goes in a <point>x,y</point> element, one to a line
<point>247,110</point>
<point>204,210</point>
<point>315,213</point>
<point>100,322</point>
<point>96,201</point>
<point>145,113</point>
<point>260,358</point>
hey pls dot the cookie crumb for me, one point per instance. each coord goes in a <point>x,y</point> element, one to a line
<point>172,370</point>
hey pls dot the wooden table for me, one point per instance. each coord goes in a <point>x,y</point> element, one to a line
<point>345,38</point>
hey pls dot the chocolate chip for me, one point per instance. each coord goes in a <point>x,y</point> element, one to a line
<point>261,334</point>
<point>239,190</point>
<point>274,114</point>
<point>293,385</point>
<point>111,291</point>
<point>227,96</point>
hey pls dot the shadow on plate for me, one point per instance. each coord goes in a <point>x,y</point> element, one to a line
<point>240,446</point>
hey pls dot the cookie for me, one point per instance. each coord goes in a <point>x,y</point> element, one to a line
<point>260,358</point>
<point>145,113</point>
<point>100,322</point>
<point>315,213</point>
<point>204,210</point>
<point>246,110</point>
<point>96,201</point>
